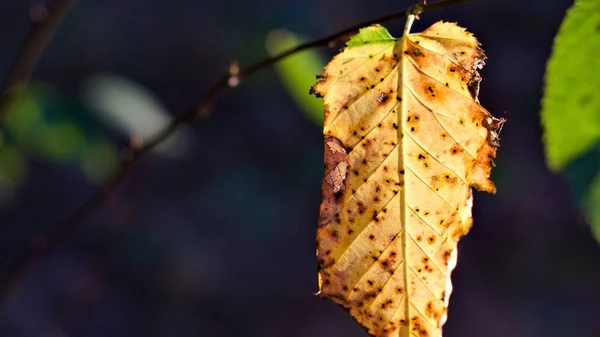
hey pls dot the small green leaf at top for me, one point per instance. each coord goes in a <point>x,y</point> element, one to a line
<point>375,34</point>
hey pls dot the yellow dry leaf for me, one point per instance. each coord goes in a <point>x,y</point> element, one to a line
<point>405,140</point>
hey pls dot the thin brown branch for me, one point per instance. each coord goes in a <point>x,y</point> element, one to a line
<point>46,20</point>
<point>40,247</point>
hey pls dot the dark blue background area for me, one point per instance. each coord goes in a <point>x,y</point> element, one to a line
<point>221,242</point>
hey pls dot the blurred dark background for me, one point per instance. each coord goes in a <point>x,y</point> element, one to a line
<point>214,235</point>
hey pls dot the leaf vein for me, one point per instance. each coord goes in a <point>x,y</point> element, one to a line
<point>430,188</point>
<point>437,159</point>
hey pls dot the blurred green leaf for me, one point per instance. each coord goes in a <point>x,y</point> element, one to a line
<point>591,206</point>
<point>98,160</point>
<point>571,107</point>
<point>45,124</point>
<point>35,125</point>
<point>583,177</point>
<point>297,72</point>
<point>581,172</point>
<point>13,169</point>
<point>64,141</point>
<point>25,121</point>
<point>13,164</point>
<point>571,103</point>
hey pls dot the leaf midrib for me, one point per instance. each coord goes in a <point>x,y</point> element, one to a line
<point>402,195</point>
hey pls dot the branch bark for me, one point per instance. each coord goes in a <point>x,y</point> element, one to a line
<point>46,22</point>
<point>41,246</point>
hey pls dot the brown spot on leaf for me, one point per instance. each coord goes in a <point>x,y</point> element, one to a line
<point>361,207</point>
<point>446,256</point>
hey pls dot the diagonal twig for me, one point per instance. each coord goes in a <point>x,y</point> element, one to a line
<point>41,246</point>
<point>46,22</point>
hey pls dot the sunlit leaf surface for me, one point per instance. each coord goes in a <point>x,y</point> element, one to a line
<point>405,141</point>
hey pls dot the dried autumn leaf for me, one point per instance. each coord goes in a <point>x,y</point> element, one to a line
<point>405,140</point>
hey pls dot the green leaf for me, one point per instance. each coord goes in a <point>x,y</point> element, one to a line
<point>99,159</point>
<point>374,34</point>
<point>25,120</point>
<point>583,177</point>
<point>64,141</point>
<point>12,173</point>
<point>580,173</point>
<point>591,206</point>
<point>297,72</point>
<point>571,103</point>
<point>14,166</point>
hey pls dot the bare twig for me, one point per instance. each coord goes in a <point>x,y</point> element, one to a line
<point>41,246</point>
<point>46,20</point>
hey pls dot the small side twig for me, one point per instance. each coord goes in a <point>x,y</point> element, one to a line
<point>46,20</point>
<point>41,246</point>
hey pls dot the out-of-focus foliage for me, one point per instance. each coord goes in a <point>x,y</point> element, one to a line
<point>12,171</point>
<point>99,159</point>
<point>38,125</point>
<point>132,110</point>
<point>43,126</point>
<point>297,72</point>
<point>571,106</point>
<point>591,204</point>
<point>24,121</point>
<point>65,141</point>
